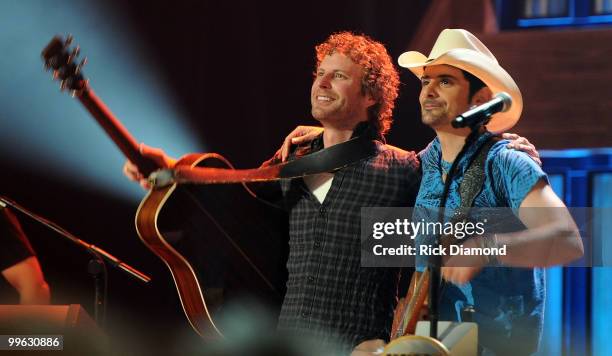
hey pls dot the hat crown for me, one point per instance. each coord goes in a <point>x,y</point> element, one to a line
<point>460,49</point>
<point>451,39</point>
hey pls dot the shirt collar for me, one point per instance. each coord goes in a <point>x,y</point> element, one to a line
<point>432,156</point>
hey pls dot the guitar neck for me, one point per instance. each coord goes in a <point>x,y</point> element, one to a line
<point>117,132</point>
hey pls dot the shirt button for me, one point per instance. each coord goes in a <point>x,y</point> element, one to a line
<point>310,279</point>
<point>322,211</point>
<point>317,244</point>
<point>305,314</point>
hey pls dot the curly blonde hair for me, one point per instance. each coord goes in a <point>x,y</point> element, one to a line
<point>380,78</point>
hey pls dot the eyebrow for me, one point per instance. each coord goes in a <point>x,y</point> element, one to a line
<point>441,76</point>
<point>331,70</point>
<point>341,71</point>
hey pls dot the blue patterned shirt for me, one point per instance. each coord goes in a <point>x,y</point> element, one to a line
<point>509,302</point>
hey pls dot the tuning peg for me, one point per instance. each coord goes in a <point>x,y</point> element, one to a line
<point>69,40</point>
<point>70,83</point>
<point>80,88</point>
<point>51,63</point>
<point>75,52</point>
<point>80,65</point>
<point>57,74</point>
<point>73,55</point>
<point>75,92</point>
<point>61,73</point>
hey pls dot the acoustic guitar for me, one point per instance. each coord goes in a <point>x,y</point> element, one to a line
<point>220,242</point>
<point>409,310</point>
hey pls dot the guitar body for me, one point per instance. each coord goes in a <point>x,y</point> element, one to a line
<point>219,242</point>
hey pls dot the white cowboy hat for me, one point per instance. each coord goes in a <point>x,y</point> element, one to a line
<point>461,49</point>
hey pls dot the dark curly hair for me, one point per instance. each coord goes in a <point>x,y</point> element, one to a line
<point>380,78</point>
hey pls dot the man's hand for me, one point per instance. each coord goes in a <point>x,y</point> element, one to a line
<point>369,348</point>
<point>299,135</point>
<point>157,155</point>
<point>520,143</point>
<point>460,275</point>
<point>460,269</point>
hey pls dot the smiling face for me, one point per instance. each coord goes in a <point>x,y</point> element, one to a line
<point>336,95</point>
<point>444,95</point>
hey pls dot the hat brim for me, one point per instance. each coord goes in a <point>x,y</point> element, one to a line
<point>490,72</point>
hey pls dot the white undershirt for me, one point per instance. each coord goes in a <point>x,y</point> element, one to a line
<point>319,184</point>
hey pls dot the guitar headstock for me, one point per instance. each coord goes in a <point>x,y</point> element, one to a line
<point>61,59</point>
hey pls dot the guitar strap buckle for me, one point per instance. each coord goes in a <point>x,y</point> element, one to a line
<point>161,178</point>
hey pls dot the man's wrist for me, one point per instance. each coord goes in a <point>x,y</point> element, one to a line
<point>490,243</point>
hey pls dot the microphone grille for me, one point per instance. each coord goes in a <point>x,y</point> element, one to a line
<point>506,100</point>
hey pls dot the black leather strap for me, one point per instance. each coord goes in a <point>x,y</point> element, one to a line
<point>330,159</point>
<point>325,160</point>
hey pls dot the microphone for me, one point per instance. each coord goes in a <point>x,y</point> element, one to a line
<point>481,114</point>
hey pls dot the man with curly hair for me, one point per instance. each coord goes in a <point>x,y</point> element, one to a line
<point>375,73</point>
<point>329,295</point>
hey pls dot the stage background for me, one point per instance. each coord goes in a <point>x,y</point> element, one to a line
<point>234,78</point>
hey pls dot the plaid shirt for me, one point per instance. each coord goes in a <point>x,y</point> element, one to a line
<point>329,295</point>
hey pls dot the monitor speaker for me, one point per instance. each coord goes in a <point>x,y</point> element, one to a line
<point>461,339</point>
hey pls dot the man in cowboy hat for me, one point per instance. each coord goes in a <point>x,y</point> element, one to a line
<point>329,294</point>
<point>459,73</point>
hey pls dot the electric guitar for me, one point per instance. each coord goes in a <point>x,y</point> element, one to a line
<point>220,242</point>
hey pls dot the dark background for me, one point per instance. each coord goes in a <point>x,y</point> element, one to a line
<point>242,73</point>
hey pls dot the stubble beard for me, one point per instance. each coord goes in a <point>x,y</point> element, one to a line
<point>432,119</point>
<point>318,113</point>
<point>339,116</point>
<point>326,114</point>
<point>339,119</point>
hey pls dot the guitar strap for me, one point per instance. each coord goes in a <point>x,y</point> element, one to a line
<point>326,160</point>
<point>473,180</point>
<point>471,185</point>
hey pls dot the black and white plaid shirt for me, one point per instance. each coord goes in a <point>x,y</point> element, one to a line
<point>329,295</point>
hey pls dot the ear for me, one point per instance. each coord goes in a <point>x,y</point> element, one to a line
<point>481,96</point>
<point>369,100</point>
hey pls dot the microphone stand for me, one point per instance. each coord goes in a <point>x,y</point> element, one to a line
<point>434,289</point>
<point>96,266</point>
